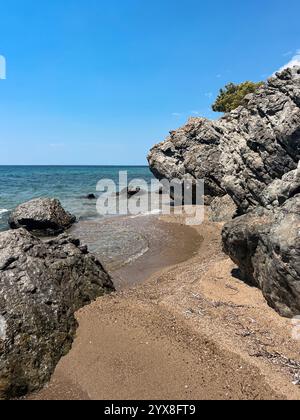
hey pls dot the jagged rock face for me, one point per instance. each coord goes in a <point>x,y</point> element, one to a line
<point>243,152</point>
<point>42,284</point>
<point>222,209</point>
<point>281,190</point>
<point>42,217</point>
<point>191,152</point>
<point>265,244</point>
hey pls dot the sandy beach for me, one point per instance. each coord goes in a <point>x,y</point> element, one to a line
<point>188,330</point>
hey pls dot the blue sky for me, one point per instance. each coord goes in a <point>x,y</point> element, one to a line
<point>99,82</point>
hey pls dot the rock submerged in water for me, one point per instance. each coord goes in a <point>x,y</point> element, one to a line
<point>42,285</point>
<point>265,244</point>
<point>42,217</point>
<point>130,192</point>
<point>244,151</point>
<point>91,197</point>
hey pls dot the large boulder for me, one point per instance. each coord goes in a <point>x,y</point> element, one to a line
<point>265,244</point>
<point>42,216</point>
<point>42,284</point>
<point>244,151</point>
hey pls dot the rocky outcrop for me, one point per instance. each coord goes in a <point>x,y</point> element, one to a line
<point>42,217</point>
<point>281,190</point>
<point>42,284</point>
<point>243,152</point>
<point>265,244</point>
<point>222,209</point>
<point>250,156</point>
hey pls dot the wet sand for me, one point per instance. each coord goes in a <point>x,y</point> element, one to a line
<point>142,246</point>
<point>191,331</point>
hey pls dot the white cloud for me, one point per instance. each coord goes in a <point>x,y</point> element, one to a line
<point>295,61</point>
<point>176,114</point>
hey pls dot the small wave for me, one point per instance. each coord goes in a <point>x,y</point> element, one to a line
<point>148,213</point>
<point>2,211</point>
<point>136,257</point>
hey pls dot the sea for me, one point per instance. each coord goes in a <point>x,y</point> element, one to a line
<point>69,184</point>
<point>117,241</point>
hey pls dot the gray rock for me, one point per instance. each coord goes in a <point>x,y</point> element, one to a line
<point>281,190</point>
<point>265,244</point>
<point>42,216</point>
<point>222,209</point>
<point>42,284</point>
<point>243,152</point>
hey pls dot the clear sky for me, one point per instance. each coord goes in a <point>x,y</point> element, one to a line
<point>99,82</point>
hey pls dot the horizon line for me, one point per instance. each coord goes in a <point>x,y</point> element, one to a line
<point>74,165</point>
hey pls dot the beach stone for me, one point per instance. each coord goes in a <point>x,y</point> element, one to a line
<point>265,244</point>
<point>42,285</point>
<point>42,217</point>
<point>241,153</point>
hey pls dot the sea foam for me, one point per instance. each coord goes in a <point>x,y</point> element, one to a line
<point>2,211</point>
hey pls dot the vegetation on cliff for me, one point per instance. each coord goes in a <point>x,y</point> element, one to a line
<point>233,96</point>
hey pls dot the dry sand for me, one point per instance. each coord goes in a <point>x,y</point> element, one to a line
<point>191,331</point>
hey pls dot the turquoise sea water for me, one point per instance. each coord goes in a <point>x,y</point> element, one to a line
<point>70,184</point>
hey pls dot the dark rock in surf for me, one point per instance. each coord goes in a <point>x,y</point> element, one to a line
<point>42,217</point>
<point>91,197</point>
<point>130,192</point>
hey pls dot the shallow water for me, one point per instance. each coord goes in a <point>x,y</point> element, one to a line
<point>138,245</point>
<point>69,184</point>
<point>134,248</point>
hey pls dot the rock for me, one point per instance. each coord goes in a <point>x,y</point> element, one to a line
<point>130,192</point>
<point>42,284</point>
<point>222,209</point>
<point>42,216</point>
<point>281,190</point>
<point>91,197</point>
<point>265,244</point>
<point>244,151</point>
<point>133,191</point>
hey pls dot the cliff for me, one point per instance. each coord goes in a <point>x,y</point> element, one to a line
<point>243,152</point>
<point>251,157</point>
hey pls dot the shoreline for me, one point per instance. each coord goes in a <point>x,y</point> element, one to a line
<point>190,331</point>
<point>151,244</point>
